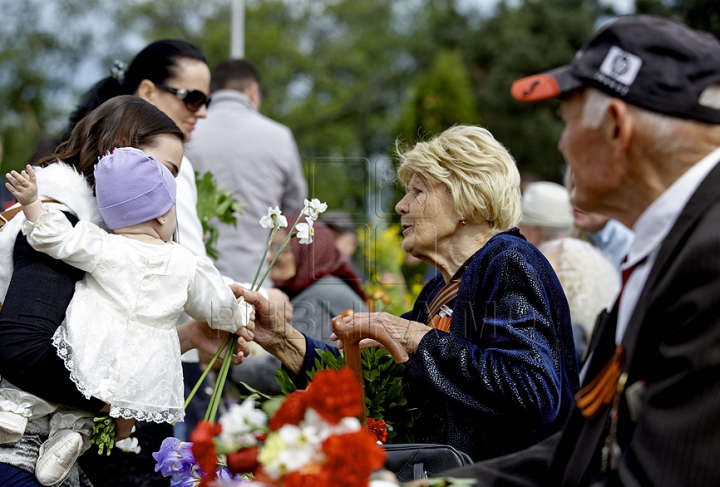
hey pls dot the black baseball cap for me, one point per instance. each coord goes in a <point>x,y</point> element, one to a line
<point>658,64</point>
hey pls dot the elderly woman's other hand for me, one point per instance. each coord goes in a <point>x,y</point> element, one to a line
<point>405,332</point>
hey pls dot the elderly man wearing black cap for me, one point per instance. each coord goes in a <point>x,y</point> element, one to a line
<point>641,103</point>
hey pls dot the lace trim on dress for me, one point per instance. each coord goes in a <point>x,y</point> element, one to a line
<point>64,351</point>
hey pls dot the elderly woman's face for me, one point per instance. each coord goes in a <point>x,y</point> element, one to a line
<point>428,217</point>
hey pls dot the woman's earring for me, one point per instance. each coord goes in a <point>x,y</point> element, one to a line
<point>462,222</point>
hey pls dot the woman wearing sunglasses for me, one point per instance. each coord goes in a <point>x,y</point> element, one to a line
<point>174,76</point>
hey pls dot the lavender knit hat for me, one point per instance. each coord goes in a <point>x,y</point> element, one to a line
<point>132,188</point>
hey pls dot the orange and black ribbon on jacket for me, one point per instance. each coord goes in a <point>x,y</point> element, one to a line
<point>437,317</point>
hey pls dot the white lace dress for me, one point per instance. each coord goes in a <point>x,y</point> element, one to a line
<point>118,339</point>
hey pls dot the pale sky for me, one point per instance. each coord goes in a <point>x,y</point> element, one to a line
<point>486,6</point>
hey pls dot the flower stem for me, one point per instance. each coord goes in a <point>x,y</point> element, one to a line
<point>267,249</point>
<point>205,373</point>
<point>219,385</point>
<point>282,247</point>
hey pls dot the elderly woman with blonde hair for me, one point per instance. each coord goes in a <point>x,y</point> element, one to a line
<point>491,359</point>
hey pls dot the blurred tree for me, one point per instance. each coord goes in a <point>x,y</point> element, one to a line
<point>700,14</point>
<point>442,98</point>
<point>653,7</point>
<point>39,63</point>
<point>536,36</point>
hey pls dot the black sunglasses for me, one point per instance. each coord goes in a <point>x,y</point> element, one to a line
<point>193,99</point>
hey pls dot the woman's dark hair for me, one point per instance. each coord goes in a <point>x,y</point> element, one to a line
<point>158,62</point>
<point>123,121</point>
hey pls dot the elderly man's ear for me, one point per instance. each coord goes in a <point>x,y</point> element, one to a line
<point>618,126</point>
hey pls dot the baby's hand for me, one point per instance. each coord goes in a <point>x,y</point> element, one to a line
<point>23,185</point>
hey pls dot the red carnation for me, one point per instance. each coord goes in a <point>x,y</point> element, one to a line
<point>243,461</point>
<point>335,394</point>
<point>378,429</point>
<point>203,447</point>
<point>351,458</point>
<point>292,411</point>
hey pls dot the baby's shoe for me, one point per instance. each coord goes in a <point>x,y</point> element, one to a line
<point>12,427</point>
<point>57,456</point>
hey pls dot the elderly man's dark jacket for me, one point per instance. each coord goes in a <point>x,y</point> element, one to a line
<point>673,346</point>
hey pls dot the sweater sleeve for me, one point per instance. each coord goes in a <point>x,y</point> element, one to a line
<point>211,300</point>
<point>80,246</point>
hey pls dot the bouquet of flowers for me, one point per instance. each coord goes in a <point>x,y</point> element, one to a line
<point>275,220</point>
<point>313,439</point>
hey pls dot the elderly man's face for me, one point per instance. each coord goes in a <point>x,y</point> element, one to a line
<point>586,153</point>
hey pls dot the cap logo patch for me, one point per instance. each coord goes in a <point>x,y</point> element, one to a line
<point>619,70</point>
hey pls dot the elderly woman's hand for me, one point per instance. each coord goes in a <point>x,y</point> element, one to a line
<point>405,332</point>
<point>274,333</point>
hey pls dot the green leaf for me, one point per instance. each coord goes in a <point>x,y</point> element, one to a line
<point>214,202</point>
<point>287,386</point>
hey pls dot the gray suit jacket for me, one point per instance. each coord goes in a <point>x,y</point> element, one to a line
<point>256,159</point>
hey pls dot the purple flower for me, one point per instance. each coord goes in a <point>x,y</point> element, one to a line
<point>224,473</point>
<point>185,482</point>
<point>175,458</point>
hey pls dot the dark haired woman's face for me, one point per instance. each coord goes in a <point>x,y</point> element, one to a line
<point>167,149</point>
<point>191,74</point>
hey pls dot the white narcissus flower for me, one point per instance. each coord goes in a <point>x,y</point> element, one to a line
<point>273,218</point>
<point>128,445</point>
<point>305,231</point>
<point>242,422</point>
<point>288,450</point>
<point>314,208</point>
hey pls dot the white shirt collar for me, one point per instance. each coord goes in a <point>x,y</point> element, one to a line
<point>656,221</point>
<point>652,228</point>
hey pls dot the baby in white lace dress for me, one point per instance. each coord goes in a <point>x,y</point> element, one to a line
<point>118,339</point>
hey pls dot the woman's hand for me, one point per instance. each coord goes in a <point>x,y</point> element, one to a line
<point>405,332</point>
<point>195,334</point>
<point>123,428</point>
<point>274,333</point>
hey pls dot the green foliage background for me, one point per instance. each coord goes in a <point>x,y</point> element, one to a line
<point>348,76</point>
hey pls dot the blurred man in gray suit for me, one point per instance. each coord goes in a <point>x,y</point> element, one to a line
<point>251,155</point>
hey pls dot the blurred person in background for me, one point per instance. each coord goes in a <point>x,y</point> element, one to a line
<point>590,281</point>
<point>546,212</point>
<point>252,156</point>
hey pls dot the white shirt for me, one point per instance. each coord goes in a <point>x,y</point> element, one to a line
<point>119,340</point>
<point>651,229</point>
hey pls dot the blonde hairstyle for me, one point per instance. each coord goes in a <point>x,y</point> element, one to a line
<point>476,169</point>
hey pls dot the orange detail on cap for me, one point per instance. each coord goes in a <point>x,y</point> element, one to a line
<point>535,88</point>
